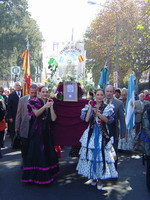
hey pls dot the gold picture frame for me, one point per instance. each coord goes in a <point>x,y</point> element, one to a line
<point>70,92</point>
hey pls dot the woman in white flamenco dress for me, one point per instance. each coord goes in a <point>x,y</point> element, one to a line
<point>97,155</point>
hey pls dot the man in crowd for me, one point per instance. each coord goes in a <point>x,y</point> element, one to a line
<point>146,128</point>
<point>22,118</point>
<point>13,100</point>
<point>117,93</point>
<point>119,122</point>
<point>139,106</point>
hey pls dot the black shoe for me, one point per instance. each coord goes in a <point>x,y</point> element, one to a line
<point>2,146</point>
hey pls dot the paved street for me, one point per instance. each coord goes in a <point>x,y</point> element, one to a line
<point>70,186</point>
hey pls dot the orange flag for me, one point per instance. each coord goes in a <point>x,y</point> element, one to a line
<point>26,74</point>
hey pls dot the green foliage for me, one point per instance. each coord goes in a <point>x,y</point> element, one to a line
<point>131,19</point>
<point>59,96</point>
<point>51,84</point>
<point>16,28</point>
<point>53,65</point>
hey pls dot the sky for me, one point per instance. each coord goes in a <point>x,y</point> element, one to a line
<point>57,18</point>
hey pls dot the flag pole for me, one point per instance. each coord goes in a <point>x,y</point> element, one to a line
<point>28,44</point>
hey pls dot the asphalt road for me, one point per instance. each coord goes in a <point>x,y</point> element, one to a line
<point>69,186</point>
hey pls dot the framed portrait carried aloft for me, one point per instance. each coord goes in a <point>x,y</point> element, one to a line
<point>70,92</point>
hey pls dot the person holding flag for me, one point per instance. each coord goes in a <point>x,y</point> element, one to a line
<point>127,142</point>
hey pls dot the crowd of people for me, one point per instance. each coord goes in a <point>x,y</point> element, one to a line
<point>32,118</point>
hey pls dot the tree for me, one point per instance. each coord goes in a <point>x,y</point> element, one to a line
<point>133,42</point>
<point>16,28</point>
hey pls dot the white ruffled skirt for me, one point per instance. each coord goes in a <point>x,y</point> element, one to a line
<point>86,164</point>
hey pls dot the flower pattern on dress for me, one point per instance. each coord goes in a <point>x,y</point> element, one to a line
<point>33,104</point>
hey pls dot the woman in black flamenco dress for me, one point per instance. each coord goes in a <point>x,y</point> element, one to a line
<point>41,163</point>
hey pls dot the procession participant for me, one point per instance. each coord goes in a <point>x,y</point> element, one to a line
<point>127,142</point>
<point>13,100</point>
<point>96,160</point>
<point>2,122</point>
<point>118,127</point>
<point>7,132</point>
<point>41,162</point>
<point>146,128</point>
<point>123,98</point>
<point>147,95</point>
<point>2,92</point>
<point>22,118</point>
<point>117,93</point>
<point>3,99</point>
<point>139,107</point>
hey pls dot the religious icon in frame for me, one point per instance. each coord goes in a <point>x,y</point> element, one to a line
<point>70,91</point>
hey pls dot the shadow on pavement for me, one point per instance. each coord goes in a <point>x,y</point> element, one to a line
<point>70,186</point>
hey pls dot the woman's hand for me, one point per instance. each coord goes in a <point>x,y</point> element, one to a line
<point>53,114</point>
<point>51,102</point>
<point>89,103</point>
<point>47,105</point>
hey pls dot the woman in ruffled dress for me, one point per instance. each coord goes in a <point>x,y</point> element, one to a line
<point>97,155</point>
<point>41,163</point>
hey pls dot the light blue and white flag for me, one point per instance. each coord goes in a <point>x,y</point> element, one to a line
<point>130,104</point>
<point>103,78</point>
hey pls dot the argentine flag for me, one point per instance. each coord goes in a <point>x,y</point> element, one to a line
<point>130,104</point>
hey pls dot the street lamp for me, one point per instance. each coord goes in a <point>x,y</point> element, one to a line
<point>117,45</point>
